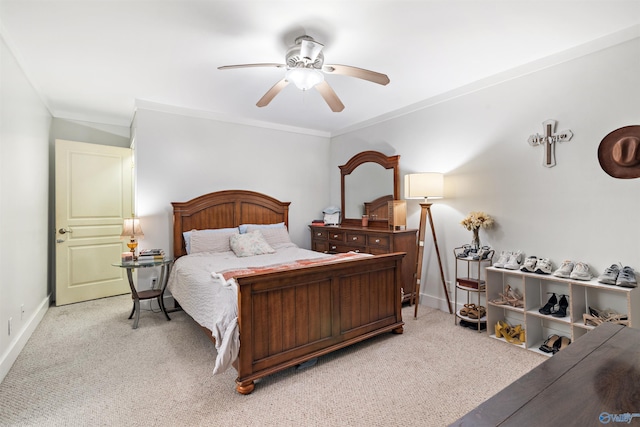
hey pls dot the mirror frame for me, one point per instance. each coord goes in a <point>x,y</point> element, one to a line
<point>387,162</point>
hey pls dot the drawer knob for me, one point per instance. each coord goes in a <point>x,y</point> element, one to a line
<point>354,238</point>
<point>319,234</point>
<point>377,240</point>
<point>335,236</point>
<point>333,247</point>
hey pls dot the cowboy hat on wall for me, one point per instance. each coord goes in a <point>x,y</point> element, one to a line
<point>619,153</point>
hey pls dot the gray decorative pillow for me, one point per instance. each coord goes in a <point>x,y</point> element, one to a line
<point>249,244</point>
<point>204,241</point>
<point>187,235</point>
<point>275,236</point>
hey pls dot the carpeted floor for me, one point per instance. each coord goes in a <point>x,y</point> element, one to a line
<point>84,365</point>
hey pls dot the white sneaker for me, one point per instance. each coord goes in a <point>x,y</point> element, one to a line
<point>565,269</point>
<point>610,275</point>
<point>514,261</point>
<point>544,266</point>
<point>627,278</point>
<point>581,271</point>
<point>504,257</point>
<point>529,264</point>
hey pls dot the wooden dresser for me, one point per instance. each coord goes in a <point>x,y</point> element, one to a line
<point>338,239</point>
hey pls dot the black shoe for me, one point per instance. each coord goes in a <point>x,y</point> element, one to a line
<point>561,344</point>
<point>472,325</point>
<point>562,307</point>
<point>549,305</point>
<point>551,344</point>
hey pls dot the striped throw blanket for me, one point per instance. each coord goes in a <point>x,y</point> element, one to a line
<point>227,274</point>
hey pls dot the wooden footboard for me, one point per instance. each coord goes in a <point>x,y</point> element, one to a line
<point>289,317</point>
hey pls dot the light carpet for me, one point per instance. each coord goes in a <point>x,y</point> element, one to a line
<point>85,365</point>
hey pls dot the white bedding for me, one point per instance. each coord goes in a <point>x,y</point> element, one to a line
<point>212,302</point>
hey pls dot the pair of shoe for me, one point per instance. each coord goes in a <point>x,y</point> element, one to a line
<point>510,297</point>
<point>596,317</point>
<point>574,270</point>
<point>537,265</point>
<point>509,259</point>
<point>554,344</point>
<point>464,311</point>
<point>483,253</point>
<point>473,311</point>
<point>550,306</point>
<point>614,275</point>
<point>464,251</point>
<point>472,325</point>
<point>512,334</point>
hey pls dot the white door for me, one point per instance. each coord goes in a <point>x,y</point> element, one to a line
<point>93,196</point>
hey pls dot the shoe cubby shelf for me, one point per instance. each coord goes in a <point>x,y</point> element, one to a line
<point>470,286</point>
<point>537,289</point>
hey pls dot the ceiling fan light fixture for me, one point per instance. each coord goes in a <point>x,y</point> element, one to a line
<point>304,78</point>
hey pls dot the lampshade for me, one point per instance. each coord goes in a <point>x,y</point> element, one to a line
<point>427,185</point>
<point>131,228</point>
<point>304,78</point>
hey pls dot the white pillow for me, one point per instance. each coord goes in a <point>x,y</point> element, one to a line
<point>206,241</point>
<point>250,244</point>
<point>243,227</point>
<point>187,235</point>
<point>275,236</point>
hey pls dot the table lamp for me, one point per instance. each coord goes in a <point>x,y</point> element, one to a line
<point>131,229</point>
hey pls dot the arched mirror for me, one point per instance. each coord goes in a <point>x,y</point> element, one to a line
<point>368,180</point>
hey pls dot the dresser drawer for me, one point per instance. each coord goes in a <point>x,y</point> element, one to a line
<point>320,246</point>
<point>356,239</point>
<point>338,248</point>
<point>378,241</point>
<point>320,234</point>
<point>336,235</point>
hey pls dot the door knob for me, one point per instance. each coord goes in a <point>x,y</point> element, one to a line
<point>64,230</point>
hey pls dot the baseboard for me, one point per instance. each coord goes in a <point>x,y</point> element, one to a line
<point>433,302</point>
<point>16,346</point>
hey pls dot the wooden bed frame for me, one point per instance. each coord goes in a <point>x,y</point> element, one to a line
<point>289,317</point>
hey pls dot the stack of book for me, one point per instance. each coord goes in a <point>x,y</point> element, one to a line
<point>151,255</point>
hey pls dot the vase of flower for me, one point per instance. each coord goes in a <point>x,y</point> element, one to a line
<point>475,240</point>
<point>473,222</point>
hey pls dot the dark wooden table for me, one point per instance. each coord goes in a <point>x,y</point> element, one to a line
<point>593,382</point>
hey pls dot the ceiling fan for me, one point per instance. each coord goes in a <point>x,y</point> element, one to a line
<point>305,66</point>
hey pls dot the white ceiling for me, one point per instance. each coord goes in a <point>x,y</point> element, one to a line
<point>96,60</point>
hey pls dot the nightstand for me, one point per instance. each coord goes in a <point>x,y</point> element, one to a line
<point>165,268</point>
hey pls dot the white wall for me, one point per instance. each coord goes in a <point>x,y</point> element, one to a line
<point>571,211</point>
<point>24,172</point>
<point>180,157</point>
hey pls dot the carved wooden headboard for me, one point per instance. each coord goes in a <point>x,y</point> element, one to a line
<point>378,208</point>
<point>224,209</point>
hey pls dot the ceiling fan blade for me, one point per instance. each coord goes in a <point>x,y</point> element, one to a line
<point>271,93</point>
<point>310,49</point>
<point>228,67</point>
<point>330,96</point>
<point>360,73</point>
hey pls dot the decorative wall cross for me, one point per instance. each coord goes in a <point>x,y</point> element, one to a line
<point>548,140</point>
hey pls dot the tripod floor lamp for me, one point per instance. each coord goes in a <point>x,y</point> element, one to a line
<point>429,185</point>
